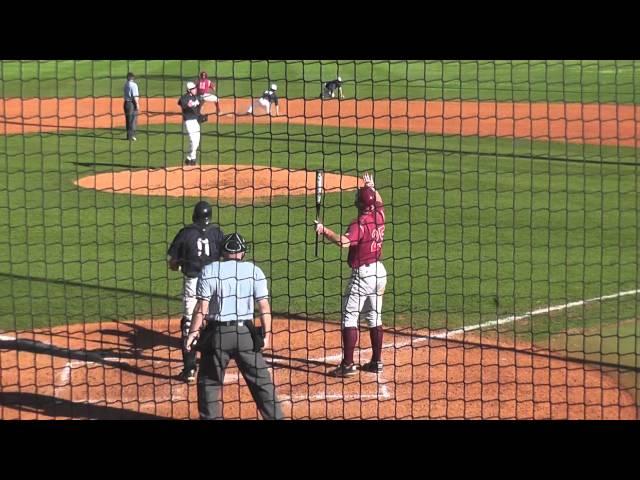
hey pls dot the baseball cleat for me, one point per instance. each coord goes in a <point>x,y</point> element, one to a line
<point>372,367</point>
<point>344,371</point>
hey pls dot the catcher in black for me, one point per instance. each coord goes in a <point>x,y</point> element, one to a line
<point>194,247</point>
<point>329,89</point>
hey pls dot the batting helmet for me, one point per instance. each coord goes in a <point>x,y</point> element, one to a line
<point>234,243</point>
<point>365,198</point>
<point>274,86</point>
<point>204,75</point>
<point>202,213</point>
<point>191,85</point>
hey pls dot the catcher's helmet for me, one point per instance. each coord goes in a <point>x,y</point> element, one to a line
<point>365,198</point>
<point>274,86</point>
<point>204,75</point>
<point>339,79</point>
<point>234,243</point>
<point>191,85</point>
<point>202,213</point>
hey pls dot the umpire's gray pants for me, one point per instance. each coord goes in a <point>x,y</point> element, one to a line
<point>235,342</point>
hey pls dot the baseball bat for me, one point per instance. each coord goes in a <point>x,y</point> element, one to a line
<point>319,184</point>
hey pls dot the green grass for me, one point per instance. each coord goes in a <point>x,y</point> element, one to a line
<point>477,228</point>
<point>537,81</point>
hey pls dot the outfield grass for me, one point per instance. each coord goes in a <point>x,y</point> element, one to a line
<point>537,81</point>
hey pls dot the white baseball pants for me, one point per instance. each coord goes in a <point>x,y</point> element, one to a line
<point>209,97</point>
<point>260,103</point>
<point>363,295</point>
<point>193,130</point>
<point>189,299</point>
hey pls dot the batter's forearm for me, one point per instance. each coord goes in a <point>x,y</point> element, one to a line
<point>340,240</point>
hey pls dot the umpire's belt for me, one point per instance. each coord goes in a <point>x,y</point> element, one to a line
<point>239,323</point>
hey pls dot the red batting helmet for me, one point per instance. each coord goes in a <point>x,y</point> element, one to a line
<point>365,198</point>
<point>203,75</point>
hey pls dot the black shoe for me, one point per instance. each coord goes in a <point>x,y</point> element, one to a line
<point>188,375</point>
<point>372,367</point>
<point>344,371</point>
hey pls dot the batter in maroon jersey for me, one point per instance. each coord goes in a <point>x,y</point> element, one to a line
<point>363,295</point>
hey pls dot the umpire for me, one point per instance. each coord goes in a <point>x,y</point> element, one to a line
<point>226,293</point>
<point>194,246</point>
<point>131,106</point>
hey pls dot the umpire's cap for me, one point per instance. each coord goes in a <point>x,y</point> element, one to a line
<point>234,243</point>
<point>202,213</point>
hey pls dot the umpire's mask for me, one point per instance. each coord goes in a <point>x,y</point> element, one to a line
<point>234,243</point>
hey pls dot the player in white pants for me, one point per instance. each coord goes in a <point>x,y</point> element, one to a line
<point>193,130</point>
<point>190,103</point>
<point>205,85</point>
<point>363,295</point>
<point>193,247</point>
<point>368,280</point>
<point>264,102</point>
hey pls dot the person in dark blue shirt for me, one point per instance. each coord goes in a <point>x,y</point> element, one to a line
<point>329,89</point>
<point>193,247</point>
<point>264,102</point>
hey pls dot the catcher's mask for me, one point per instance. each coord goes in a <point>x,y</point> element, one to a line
<point>202,213</point>
<point>234,243</point>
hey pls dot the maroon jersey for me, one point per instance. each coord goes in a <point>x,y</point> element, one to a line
<point>366,235</point>
<point>204,85</point>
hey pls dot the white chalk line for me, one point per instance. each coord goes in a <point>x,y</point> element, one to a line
<point>540,311</point>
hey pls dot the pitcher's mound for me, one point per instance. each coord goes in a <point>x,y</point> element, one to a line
<point>231,182</point>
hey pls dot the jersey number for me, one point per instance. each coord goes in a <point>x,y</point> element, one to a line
<point>377,235</point>
<point>203,245</point>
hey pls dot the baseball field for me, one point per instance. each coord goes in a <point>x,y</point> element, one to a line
<point>512,197</point>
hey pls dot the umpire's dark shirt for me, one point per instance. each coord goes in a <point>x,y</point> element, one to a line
<point>190,113</point>
<point>184,248</point>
